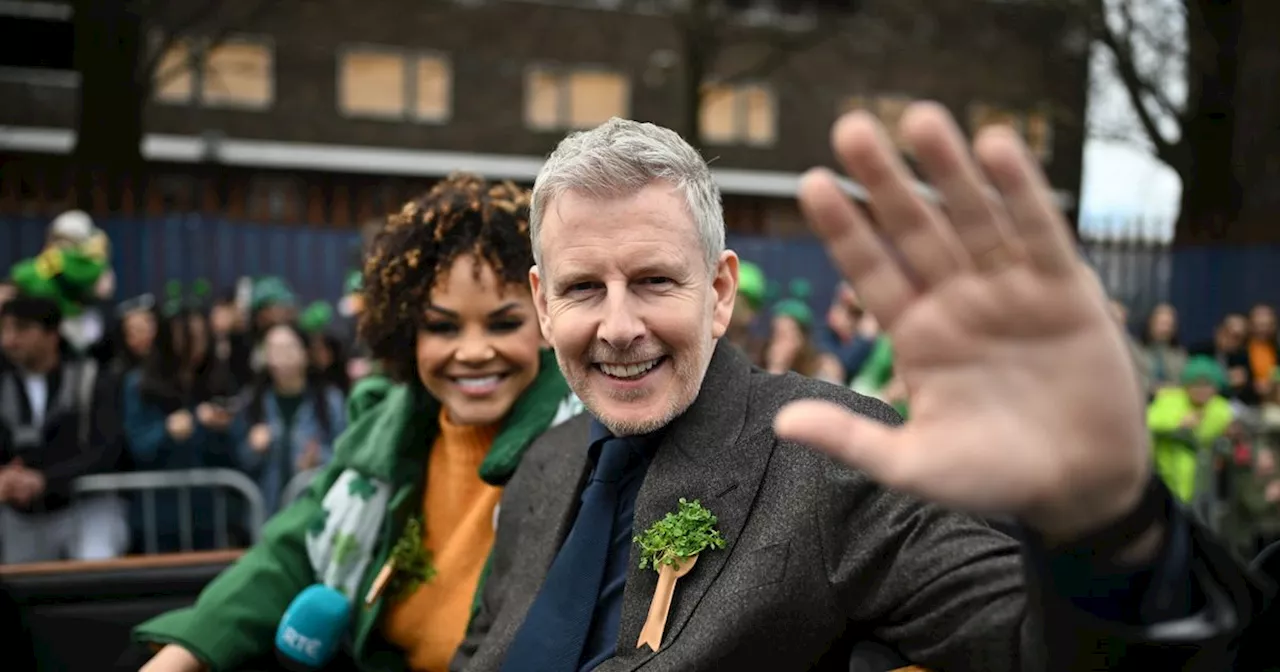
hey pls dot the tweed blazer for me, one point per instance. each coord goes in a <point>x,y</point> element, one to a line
<point>817,557</point>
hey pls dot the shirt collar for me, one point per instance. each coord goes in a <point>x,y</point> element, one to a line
<point>646,443</point>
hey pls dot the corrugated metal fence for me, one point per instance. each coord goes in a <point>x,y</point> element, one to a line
<point>149,253</point>
<point>1140,271</point>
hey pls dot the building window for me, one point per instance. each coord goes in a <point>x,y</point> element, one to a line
<point>393,85</point>
<point>567,98</point>
<point>745,114</point>
<point>887,108</point>
<point>174,78</point>
<point>1035,127</point>
<point>238,72</point>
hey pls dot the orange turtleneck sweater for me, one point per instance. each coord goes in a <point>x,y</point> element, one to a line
<point>457,514</point>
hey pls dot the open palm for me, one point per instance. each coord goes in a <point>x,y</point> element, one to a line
<point>1023,398</point>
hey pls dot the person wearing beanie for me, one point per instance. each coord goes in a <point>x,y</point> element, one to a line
<point>271,303</point>
<point>58,421</point>
<point>328,357</point>
<point>790,347</point>
<point>1185,421</point>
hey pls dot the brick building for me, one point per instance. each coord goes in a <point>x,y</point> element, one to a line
<point>332,111</point>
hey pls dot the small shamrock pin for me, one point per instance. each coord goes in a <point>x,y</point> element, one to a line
<point>408,567</point>
<point>680,535</point>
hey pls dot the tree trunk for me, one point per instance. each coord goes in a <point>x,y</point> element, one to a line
<point>108,46</point>
<point>695,67</point>
<point>1257,139</point>
<point>1210,186</point>
<point>697,45</point>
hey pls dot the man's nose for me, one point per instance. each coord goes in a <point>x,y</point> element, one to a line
<point>621,327</point>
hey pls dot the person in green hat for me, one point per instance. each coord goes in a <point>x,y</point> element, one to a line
<point>327,355</point>
<point>1185,421</point>
<point>752,295</point>
<point>401,521</point>
<point>271,303</point>
<point>790,346</point>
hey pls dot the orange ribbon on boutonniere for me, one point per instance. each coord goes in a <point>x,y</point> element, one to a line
<point>671,547</point>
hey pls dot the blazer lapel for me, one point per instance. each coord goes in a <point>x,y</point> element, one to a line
<point>552,508</point>
<point>705,455</point>
<point>562,482</point>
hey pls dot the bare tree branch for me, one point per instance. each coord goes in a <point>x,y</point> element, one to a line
<point>182,26</point>
<point>1150,88</point>
<point>781,49</point>
<point>1121,135</point>
<point>1118,43</point>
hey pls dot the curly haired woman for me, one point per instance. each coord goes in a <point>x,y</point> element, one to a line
<point>398,528</point>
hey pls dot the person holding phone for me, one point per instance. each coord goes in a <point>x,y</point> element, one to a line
<point>293,415</point>
<point>176,417</point>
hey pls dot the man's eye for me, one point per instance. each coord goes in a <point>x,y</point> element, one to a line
<point>660,281</point>
<point>581,287</point>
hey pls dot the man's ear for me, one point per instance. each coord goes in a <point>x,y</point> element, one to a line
<point>540,305</point>
<point>725,285</point>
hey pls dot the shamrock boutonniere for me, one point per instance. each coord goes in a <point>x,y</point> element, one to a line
<point>408,567</point>
<point>671,547</point>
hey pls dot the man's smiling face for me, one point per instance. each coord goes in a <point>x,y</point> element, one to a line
<point>625,297</point>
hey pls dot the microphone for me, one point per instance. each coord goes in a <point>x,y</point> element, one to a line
<point>312,628</point>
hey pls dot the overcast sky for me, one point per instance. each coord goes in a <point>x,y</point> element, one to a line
<point>1122,181</point>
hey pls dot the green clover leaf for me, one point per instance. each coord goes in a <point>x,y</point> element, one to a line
<point>680,535</point>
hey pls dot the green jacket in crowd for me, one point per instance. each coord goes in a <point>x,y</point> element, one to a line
<point>1179,452</point>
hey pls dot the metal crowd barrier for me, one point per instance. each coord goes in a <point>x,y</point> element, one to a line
<point>297,486</point>
<point>148,482</point>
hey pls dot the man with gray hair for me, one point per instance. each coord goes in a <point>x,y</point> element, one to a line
<point>1002,340</point>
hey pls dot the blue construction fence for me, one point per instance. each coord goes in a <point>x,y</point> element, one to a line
<point>1204,283</point>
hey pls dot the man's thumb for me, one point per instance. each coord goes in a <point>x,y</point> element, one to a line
<point>858,441</point>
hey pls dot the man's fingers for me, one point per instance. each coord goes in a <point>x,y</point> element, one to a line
<point>913,226</point>
<point>864,260</point>
<point>855,440</point>
<point>976,216</point>
<point>1036,220</point>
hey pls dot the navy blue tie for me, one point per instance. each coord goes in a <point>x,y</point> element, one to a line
<point>555,630</point>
